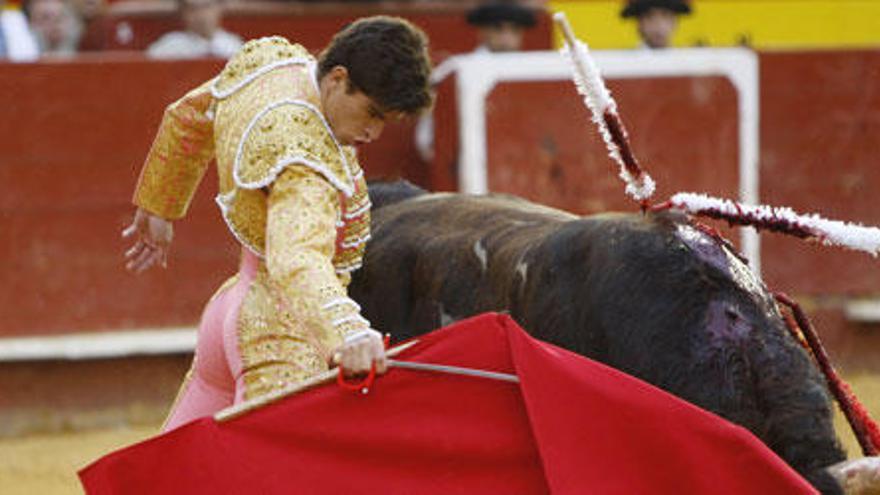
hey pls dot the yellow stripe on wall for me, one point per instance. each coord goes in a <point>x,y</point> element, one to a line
<point>763,23</point>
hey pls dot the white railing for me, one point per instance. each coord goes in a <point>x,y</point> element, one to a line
<point>110,344</point>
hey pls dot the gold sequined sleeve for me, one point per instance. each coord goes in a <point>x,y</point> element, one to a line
<point>181,152</point>
<point>315,309</point>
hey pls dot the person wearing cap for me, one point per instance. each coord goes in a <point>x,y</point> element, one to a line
<point>501,25</point>
<point>657,19</point>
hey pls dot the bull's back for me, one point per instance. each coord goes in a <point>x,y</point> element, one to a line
<point>436,258</point>
<point>445,257</point>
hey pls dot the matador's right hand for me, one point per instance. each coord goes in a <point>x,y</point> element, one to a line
<point>153,235</point>
<point>360,352</point>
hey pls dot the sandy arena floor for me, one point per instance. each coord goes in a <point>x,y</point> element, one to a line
<point>47,465</point>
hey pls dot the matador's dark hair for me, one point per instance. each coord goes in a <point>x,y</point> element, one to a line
<point>387,59</point>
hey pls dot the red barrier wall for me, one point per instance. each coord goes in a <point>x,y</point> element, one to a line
<point>683,130</point>
<point>74,135</point>
<point>820,151</point>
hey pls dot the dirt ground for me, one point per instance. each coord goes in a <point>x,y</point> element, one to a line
<point>47,465</point>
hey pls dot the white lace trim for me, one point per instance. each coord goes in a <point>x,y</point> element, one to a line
<point>347,189</point>
<point>339,301</point>
<point>340,270</point>
<point>211,112</point>
<point>298,160</point>
<point>356,242</point>
<point>313,73</point>
<point>226,93</point>
<point>354,319</point>
<point>360,211</point>
<point>221,199</point>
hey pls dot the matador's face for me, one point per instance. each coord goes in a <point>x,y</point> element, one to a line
<point>354,117</point>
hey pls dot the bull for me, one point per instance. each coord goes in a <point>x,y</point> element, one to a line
<point>652,295</point>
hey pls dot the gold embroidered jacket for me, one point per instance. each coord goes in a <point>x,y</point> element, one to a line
<point>288,191</point>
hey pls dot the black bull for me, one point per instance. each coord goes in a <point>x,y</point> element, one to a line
<point>650,295</point>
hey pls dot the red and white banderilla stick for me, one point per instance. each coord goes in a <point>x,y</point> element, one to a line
<point>590,85</point>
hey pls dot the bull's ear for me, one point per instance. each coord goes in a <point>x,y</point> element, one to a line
<point>383,193</point>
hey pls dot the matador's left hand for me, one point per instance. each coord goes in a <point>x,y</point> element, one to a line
<point>153,235</point>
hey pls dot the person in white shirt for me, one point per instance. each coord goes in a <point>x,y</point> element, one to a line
<point>17,44</point>
<point>55,26</point>
<point>203,36</point>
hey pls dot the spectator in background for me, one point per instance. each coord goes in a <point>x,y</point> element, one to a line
<point>88,10</point>
<point>89,13</point>
<point>55,26</point>
<point>657,20</point>
<point>501,25</point>
<point>202,37</point>
<point>16,41</point>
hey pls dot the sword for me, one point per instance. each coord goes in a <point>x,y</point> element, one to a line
<point>327,376</point>
<point>453,370</point>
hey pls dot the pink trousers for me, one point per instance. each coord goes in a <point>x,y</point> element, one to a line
<point>214,380</point>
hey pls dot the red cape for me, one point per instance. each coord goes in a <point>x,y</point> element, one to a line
<point>571,426</point>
